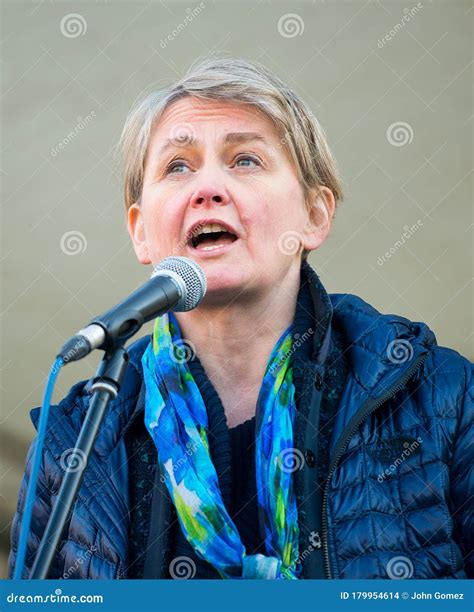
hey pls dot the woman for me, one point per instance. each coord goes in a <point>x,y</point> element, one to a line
<point>275,431</point>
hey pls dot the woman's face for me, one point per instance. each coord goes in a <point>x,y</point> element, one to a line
<point>220,188</point>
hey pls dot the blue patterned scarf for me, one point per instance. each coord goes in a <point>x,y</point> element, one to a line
<point>176,418</point>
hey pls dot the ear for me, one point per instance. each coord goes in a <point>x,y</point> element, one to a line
<point>321,207</point>
<point>136,229</point>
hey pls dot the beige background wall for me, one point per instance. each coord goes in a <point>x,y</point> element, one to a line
<point>389,81</point>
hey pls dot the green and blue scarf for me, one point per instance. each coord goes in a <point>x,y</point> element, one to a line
<point>176,418</point>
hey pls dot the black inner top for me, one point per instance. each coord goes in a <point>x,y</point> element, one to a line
<point>243,508</point>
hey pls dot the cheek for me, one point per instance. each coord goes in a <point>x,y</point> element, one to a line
<point>265,229</point>
<point>161,230</point>
<point>277,217</point>
<point>278,224</point>
<point>284,204</point>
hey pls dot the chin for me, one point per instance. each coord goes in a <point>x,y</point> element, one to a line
<point>227,281</point>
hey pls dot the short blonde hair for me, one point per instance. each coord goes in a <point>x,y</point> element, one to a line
<point>234,80</point>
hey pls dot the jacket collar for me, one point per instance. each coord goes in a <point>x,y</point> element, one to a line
<point>321,312</point>
<point>368,333</point>
<point>379,347</point>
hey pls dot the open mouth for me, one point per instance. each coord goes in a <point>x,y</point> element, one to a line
<point>211,236</point>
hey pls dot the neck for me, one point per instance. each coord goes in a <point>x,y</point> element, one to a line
<point>234,343</point>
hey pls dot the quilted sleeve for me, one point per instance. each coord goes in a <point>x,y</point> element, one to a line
<point>40,515</point>
<point>462,476</point>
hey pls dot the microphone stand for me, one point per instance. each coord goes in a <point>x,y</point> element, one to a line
<point>105,386</point>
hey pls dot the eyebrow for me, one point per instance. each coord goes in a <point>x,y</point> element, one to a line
<point>230,138</point>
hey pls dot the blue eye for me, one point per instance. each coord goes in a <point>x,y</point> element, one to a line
<point>173,166</point>
<point>248,158</point>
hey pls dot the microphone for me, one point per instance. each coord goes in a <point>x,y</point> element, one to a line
<point>176,284</point>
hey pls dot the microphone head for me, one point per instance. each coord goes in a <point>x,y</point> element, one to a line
<point>190,277</point>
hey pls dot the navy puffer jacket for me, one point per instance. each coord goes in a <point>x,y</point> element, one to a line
<point>399,495</point>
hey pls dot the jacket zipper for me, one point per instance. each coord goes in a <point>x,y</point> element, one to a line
<point>350,430</point>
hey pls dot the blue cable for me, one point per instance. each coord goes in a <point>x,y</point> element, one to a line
<point>37,457</point>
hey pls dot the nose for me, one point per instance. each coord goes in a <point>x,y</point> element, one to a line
<point>208,196</point>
